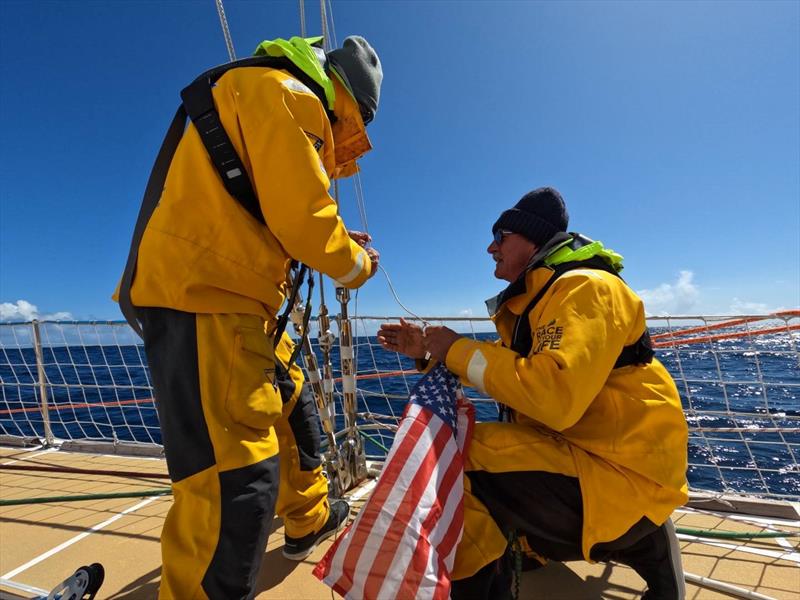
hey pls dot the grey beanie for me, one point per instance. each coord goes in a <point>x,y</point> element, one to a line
<point>539,215</point>
<point>360,67</point>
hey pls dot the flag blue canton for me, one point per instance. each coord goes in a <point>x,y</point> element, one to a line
<point>436,391</point>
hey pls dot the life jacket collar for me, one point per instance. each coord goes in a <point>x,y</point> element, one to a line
<point>580,248</point>
<point>562,248</point>
<point>307,55</point>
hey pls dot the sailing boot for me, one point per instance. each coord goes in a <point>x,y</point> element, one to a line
<point>492,582</point>
<point>657,559</point>
<point>300,548</point>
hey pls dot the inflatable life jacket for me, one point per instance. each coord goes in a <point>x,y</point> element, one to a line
<point>580,253</point>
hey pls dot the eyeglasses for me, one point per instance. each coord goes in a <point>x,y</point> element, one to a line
<point>500,235</point>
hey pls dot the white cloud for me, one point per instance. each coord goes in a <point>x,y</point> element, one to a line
<point>467,312</point>
<point>678,298</point>
<point>22,310</point>
<point>741,307</point>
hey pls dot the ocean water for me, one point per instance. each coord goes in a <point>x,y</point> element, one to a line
<point>103,392</point>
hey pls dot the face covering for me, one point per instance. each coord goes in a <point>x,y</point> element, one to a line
<point>349,133</point>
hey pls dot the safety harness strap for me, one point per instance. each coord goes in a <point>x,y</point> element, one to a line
<point>198,100</point>
<point>198,104</point>
<point>640,352</point>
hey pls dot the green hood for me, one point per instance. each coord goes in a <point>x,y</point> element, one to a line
<point>301,51</point>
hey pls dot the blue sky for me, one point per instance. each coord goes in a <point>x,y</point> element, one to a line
<point>671,128</point>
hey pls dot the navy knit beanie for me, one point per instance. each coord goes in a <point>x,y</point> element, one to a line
<point>539,215</point>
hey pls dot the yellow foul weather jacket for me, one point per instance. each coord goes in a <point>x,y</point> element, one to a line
<point>202,252</point>
<point>621,431</point>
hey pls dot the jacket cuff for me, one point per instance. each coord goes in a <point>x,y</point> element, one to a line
<point>458,356</point>
<point>358,275</point>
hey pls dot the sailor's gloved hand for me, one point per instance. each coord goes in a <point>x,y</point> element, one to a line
<point>405,338</point>
<point>437,340</point>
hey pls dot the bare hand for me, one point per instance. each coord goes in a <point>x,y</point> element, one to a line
<point>405,338</point>
<point>359,237</point>
<point>374,259</point>
<point>362,239</point>
<point>437,340</point>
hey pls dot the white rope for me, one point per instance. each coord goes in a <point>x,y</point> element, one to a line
<point>403,306</point>
<point>225,30</point>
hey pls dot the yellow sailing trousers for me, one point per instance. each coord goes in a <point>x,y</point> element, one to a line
<point>502,448</point>
<point>241,439</point>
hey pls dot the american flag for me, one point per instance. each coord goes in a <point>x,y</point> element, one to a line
<point>403,542</point>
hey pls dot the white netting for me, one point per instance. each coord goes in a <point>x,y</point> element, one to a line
<point>739,381</point>
<point>92,375</point>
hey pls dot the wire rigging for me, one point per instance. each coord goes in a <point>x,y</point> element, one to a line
<point>362,206</point>
<point>223,21</point>
<point>334,41</point>
<point>323,18</point>
<point>329,42</point>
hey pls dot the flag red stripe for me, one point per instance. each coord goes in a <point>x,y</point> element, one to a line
<point>419,562</point>
<point>407,508</point>
<point>323,567</point>
<point>391,470</point>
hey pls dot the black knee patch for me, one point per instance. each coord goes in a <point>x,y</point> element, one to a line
<point>304,422</point>
<point>170,343</point>
<point>248,497</point>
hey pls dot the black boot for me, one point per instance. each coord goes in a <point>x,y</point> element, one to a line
<point>657,559</point>
<point>492,582</point>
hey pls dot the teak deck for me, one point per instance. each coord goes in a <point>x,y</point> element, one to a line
<point>42,544</point>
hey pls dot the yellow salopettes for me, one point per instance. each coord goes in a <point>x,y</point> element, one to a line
<point>624,428</point>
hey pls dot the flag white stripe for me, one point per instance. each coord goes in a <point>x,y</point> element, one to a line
<point>405,552</point>
<point>378,551</point>
<point>340,558</point>
<point>388,511</point>
<point>429,582</point>
<point>454,499</point>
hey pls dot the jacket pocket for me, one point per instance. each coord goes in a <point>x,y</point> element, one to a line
<point>252,400</point>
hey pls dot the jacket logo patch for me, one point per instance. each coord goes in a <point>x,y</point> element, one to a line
<point>547,337</point>
<point>316,141</point>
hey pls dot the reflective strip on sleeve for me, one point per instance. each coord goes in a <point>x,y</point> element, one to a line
<point>476,370</point>
<point>355,271</point>
<point>296,86</point>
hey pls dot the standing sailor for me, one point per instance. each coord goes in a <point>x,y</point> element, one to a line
<point>209,267</point>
